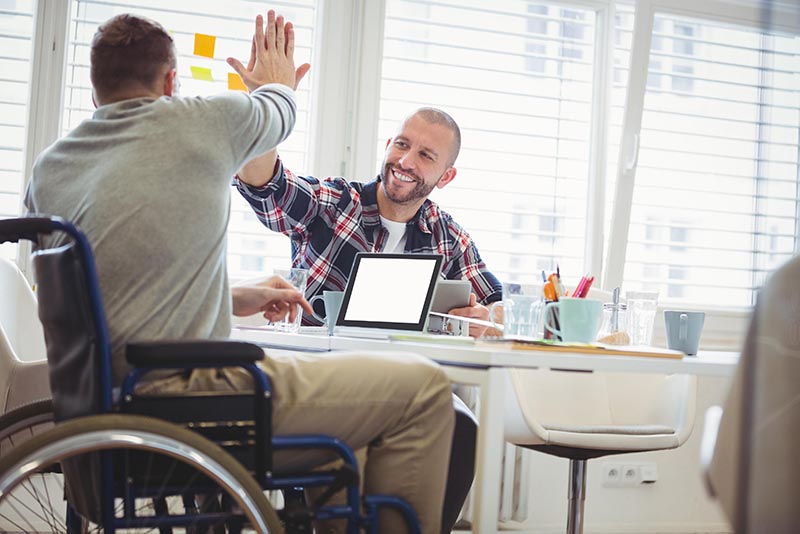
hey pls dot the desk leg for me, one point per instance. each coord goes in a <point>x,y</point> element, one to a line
<point>489,455</point>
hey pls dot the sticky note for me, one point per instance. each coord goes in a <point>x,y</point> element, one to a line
<point>204,45</point>
<point>202,73</point>
<point>235,82</point>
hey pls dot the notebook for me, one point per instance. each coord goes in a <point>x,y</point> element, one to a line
<point>388,294</point>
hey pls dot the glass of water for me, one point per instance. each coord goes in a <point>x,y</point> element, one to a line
<point>522,307</point>
<point>641,316</point>
<point>298,278</point>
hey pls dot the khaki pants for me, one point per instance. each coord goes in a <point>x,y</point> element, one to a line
<point>396,406</point>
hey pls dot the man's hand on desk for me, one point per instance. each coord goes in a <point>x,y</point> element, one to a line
<point>476,311</point>
<point>274,297</point>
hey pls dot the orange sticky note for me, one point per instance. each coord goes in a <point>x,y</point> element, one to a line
<point>201,73</point>
<point>235,82</point>
<point>204,45</point>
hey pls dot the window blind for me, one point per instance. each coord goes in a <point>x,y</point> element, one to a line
<point>517,77</point>
<point>16,31</point>
<point>252,249</point>
<point>715,205</point>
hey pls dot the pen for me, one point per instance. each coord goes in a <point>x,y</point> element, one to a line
<point>579,288</point>
<point>586,287</point>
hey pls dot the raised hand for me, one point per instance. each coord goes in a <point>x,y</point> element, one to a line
<point>271,55</point>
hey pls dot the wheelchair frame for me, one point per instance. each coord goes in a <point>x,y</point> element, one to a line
<point>189,355</point>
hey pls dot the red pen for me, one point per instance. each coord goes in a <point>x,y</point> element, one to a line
<point>586,287</point>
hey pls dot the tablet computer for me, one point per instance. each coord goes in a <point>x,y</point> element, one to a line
<point>390,291</point>
<point>451,294</point>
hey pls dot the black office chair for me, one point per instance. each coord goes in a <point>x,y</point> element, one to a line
<point>133,470</point>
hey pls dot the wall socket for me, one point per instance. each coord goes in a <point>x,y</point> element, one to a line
<point>628,475</point>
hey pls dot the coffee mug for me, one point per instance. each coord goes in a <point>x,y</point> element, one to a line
<point>579,319</point>
<point>521,310</point>
<point>683,330</point>
<point>332,300</point>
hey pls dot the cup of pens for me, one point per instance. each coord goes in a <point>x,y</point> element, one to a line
<point>520,311</point>
<point>554,291</point>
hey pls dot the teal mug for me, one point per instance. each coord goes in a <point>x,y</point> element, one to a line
<point>683,330</point>
<point>333,302</point>
<point>579,319</point>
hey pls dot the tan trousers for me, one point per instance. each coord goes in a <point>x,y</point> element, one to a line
<point>397,406</point>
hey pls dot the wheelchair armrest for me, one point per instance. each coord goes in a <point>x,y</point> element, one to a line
<point>182,353</point>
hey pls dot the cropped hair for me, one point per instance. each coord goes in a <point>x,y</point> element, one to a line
<point>437,116</point>
<point>129,51</point>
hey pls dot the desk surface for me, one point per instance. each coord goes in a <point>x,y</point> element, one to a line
<point>496,355</point>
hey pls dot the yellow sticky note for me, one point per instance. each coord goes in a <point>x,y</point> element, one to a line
<point>201,73</point>
<point>204,45</point>
<point>235,82</point>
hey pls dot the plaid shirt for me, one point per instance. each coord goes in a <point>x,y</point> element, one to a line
<point>330,221</point>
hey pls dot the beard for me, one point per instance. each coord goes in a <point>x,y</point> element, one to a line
<point>421,190</point>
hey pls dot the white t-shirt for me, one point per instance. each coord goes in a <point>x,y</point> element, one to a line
<point>396,242</point>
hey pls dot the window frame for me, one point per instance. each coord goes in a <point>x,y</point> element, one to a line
<point>346,99</point>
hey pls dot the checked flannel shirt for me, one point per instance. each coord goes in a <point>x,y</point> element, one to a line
<point>330,221</point>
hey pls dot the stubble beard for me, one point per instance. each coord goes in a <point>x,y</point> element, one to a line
<point>421,189</point>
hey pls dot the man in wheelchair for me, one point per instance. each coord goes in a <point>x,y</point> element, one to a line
<point>147,179</point>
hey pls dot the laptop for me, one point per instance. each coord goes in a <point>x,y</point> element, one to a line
<point>388,294</point>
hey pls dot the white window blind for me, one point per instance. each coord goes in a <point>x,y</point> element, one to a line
<point>517,77</point>
<point>252,249</point>
<point>715,205</point>
<point>16,31</point>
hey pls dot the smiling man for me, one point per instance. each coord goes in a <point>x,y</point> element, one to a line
<point>330,221</point>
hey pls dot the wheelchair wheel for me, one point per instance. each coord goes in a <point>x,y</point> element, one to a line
<point>24,422</point>
<point>164,477</point>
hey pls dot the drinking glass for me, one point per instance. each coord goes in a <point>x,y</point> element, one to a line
<point>298,278</point>
<point>641,316</point>
<point>522,310</point>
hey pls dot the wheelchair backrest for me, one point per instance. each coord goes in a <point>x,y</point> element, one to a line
<point>69,327</point>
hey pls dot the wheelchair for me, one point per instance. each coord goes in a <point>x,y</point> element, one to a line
<point>195,462</point>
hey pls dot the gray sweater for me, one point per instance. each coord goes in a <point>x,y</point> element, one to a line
<point>148,181</point>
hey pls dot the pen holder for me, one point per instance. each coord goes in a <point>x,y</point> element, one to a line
<point>579,318</point>
<point>551,317</point>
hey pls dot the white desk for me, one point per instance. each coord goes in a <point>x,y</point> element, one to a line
<point>486,366</point>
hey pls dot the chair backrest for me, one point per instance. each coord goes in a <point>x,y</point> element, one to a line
<point>18,314</point>
<point>755,466</point>
<point>21,341</point>
<point>71,314</point>
<point>540,398</point>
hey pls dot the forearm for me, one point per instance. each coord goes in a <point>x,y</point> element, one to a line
<point>259,171</point>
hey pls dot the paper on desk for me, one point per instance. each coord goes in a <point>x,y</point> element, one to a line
<point>428,338</point>
<point>471,320</point>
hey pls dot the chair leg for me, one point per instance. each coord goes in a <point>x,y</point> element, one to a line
<point>577,496</point>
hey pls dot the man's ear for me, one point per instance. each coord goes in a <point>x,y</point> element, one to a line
<point>169,82</point>
<point>447,177</point>
<point>388,142</point>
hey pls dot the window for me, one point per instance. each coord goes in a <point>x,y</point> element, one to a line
<point>252,249</point>
<point>517,77</point>
<point>718,163</point>
<point>16,36</point>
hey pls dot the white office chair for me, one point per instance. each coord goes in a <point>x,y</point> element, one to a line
<point>23,357</point>
<point>580,416</point>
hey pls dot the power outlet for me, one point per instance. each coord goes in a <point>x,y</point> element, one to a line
<point>619,475</point>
